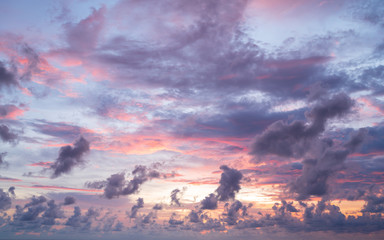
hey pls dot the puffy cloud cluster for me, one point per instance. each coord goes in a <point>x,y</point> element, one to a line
<point>229,186</point>
<point>81,222</point>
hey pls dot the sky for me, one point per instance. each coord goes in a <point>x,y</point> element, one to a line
<point>203,119</point>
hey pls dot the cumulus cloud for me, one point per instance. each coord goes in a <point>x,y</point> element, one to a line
<point>51,213</point>
<point>70,157</point>
<point>229,186</point>
<point>233,212</point>
<point>229,183</point>
<point>82,222</point>
<point>209,202</point>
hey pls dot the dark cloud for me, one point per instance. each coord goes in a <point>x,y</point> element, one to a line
<point>135,208</point>
<point>148,218</point>
<point>233,212</point>
<point>5,200</point>
<point>229,186</point>
<point>209,202</point>
<point>7,78</point>
<point>374,201</point>
<point>51,213</point>
<point>11,190</point>
<point>6,110</point>
<point>174,220</point>
<point>175,197</point>
<point>229,183</point>
<point>284,207</point>
<point>316,172</point>
<point>157,207</point>
<point>31,214</point>
<point>296,138</point>
<point>35,201</point>
<point>70,157</point>
<point>68,200</point>
<point>81,222</point>
<point>6,135</point>
<point>194,217</point>
<point>117,185</point>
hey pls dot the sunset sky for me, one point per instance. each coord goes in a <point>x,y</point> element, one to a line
<point>192,119</point>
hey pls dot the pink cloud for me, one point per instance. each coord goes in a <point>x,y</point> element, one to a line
<point>10,111</point>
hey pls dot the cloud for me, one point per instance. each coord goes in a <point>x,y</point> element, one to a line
<point>70,157</point>
<point>35,201</point>
<point>5,200</point>
<point>229,186</point>
<point>232,212</point>
<point>317,171</point>
<point>135,208</point>
<point>83,36</point>
<point>6,135</point>
<point>68,200</point>
<point>209,202</point>
<point>175,197</point>
<point>295,139</point>
<point>174,220</point>
<point>7,78</point>
<point>51,213</point>
<point>374,201</point>
<point>229,183</point>
<point>64,131</point>
<point>157,206</point>
<point>80,222</point>
<point>3,163</point>
<point>10,111</point>
<point>11,190</point>
<point>117,185</point>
